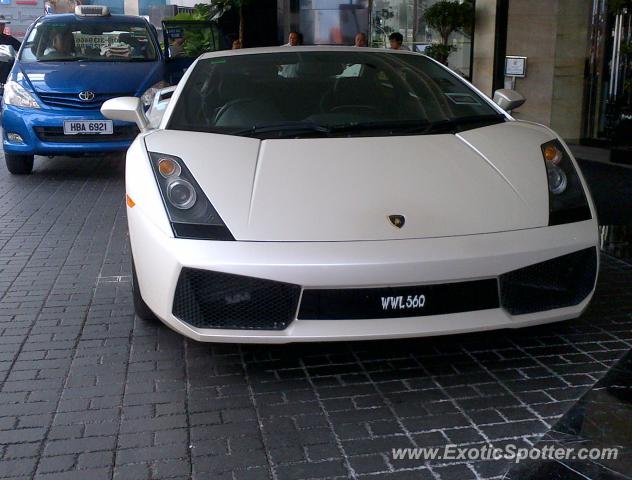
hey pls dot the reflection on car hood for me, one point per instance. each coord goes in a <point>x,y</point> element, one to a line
<point>99,77</point>
<point>485,180</point>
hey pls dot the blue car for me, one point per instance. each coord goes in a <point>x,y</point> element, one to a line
<point>69,64</point>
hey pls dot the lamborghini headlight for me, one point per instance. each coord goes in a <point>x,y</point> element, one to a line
<point>189,210</point>
<point>18,96</point>
<point>567,199</point>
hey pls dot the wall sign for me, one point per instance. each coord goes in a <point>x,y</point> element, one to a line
<point>515,66</point>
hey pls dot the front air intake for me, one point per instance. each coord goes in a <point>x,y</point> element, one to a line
<point>561,282</point>
<point>206,299</point>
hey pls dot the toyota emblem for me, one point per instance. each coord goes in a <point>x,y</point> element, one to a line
<point>86,96</point>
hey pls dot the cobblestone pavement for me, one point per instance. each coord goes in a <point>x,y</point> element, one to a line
<point>89,392</point>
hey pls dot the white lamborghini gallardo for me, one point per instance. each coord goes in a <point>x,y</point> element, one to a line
<point>322,193</point>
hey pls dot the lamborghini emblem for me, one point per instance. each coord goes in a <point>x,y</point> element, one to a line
<point>397,220</point>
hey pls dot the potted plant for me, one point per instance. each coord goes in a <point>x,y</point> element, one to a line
<point>447,17</point>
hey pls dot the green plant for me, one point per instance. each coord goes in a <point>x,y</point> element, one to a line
<point>197,39</point>
<point>439,52</point>
<point>447,17</point>
<point>203,38</point>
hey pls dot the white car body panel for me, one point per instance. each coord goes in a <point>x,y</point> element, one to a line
<point>343,189</point>
<point>159,260</point>
<point>313,212</point>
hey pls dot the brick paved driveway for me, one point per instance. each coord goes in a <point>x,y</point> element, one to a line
<point>87,391</point>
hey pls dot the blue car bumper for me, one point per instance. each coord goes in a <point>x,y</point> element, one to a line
<point>42,133</point>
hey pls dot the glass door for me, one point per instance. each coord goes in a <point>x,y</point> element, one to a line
<point>609,74</point>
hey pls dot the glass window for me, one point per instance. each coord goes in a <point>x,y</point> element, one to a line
<point>332,22</point>
<point>105,41</point>
<point>359,92</point>
<point>407,18</point>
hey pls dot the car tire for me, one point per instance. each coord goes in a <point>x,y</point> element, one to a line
<point>140,307</point>
<point>19,164</point>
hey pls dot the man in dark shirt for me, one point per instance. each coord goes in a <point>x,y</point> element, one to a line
<point>5,39</point>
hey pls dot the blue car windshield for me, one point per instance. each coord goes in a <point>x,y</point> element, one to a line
<point>98,41</point>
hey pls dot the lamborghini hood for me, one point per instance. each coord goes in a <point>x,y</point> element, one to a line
<point>486,180</point>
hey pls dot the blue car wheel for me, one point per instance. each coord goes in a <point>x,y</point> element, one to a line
<point>19,164</point>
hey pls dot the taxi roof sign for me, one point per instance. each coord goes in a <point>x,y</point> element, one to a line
<point>92,11</point>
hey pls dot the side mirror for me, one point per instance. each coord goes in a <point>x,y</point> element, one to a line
<point>7,54</point>
<point>126,109</point>
<point>508,99</point>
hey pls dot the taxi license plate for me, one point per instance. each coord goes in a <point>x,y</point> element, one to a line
<point>88,127</point>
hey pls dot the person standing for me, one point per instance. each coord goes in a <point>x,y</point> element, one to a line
<point>397,41</point>
<point>6,39</point>
<point>291,70</point>
<point>361,40</point>
<point>293,39</point>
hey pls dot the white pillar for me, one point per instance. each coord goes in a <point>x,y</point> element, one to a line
<point>131,7</point>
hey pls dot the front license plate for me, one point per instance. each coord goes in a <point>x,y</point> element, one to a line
<point>401,302</point>
<point>88,127</point>
<point>398,302</point>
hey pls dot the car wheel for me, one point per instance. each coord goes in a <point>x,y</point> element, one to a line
<point>140,307</point>
<point>19,164</point>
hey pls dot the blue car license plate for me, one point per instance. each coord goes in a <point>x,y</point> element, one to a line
<point>88,127</point>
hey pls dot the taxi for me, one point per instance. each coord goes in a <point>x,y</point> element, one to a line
<point>68,66</point>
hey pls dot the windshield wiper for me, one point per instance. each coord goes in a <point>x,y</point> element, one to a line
<point>422,127</point>
<point>456,125</point>
<point>281,130</point>
<point>63,59</point>
<point>404,127</point>
<point>121,59</point>
<point>391,126</point>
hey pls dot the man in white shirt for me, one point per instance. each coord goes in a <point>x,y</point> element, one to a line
<point>290,70</point>
<point>293,39</point>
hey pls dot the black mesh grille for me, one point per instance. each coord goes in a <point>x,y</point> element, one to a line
<point>207,299</point>
<point>562,282</point>
<point>56,134</point>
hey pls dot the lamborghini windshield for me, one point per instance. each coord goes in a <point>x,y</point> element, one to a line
<point>324,93</point>
<point>102,41</point>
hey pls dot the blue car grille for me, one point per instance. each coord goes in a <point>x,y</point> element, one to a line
<point>56,135</point>
<point>71,100</point>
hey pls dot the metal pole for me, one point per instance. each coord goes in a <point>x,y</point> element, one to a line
<point>415,20</point>
<point>614,66</point>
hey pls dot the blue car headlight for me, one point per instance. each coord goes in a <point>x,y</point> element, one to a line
<point>18,96</point>
<point>190,211</point>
